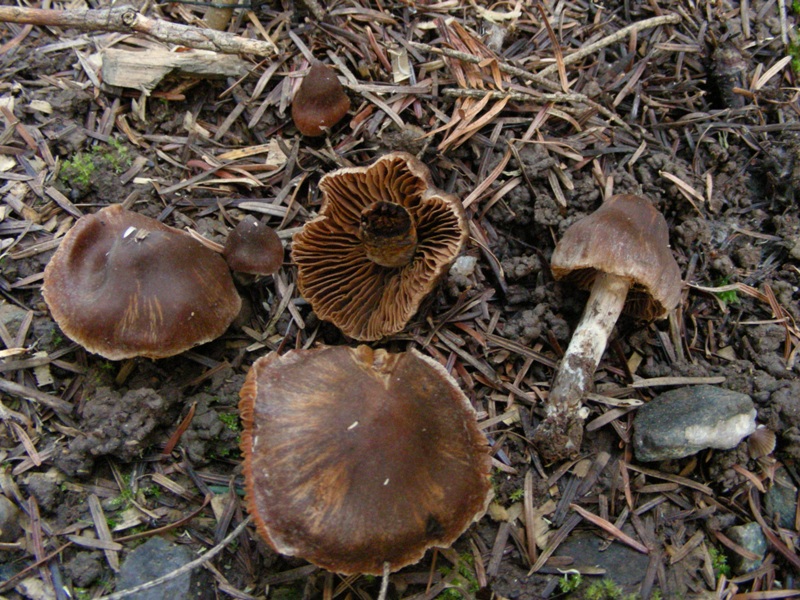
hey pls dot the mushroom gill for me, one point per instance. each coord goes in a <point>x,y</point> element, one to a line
<point>383,238</point>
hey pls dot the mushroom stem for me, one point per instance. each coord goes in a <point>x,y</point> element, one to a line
<point>561,432</point>
<point>389,234</point>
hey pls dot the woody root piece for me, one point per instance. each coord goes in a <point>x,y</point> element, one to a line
<point>621,253</point>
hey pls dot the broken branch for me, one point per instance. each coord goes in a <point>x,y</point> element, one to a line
<point>128,20</point>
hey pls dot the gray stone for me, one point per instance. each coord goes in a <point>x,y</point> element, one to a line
<point>780,501</point>
<point>625,566</point>
<point>11,316</point>
<point>795,251</point>
<point>687,420</point>
<point>10,528</point>
<point>158,557</point>
<point>84,568</point>
<point>750,537</point>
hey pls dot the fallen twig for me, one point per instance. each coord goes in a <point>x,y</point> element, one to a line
<point>127,19</point>
<point>611,39</point>
<point>22,391</point>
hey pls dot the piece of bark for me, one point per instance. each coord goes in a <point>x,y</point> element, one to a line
<point>143,70</point>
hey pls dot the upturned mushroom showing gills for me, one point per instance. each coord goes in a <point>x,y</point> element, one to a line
<point>621,253</point>
<point>124,285</point>
<point>320,101</point>
<point>383,238</point>
<point>359,460</point>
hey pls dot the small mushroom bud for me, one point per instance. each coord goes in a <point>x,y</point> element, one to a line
<point>320,102</point>
<point>253,247</point>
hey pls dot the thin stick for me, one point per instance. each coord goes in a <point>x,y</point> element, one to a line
<point>560,64</point>
<point>384,581</point>
<point>22,391</point>
<point>559,97</point>
<point>184,569</point>
<point>126,19</point>
<point>315,8</point>
<point>522,74</point>
<point>613,38</point>
<point>12,581</point>
<point>505,67</point>
<point>610,528</point>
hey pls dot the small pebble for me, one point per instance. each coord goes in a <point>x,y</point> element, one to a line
<point>750,537</point>
<point>10,529</point>
<point>157,557</point>
<point>464,266</point>
<point>780,501</point>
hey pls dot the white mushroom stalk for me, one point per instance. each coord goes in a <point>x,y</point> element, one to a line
<point>574,377</point>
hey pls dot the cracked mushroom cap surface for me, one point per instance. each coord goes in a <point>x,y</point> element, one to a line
<point>356,457</point>
<point>253,247</point>
<point>383,239</point>
<point>124,285</point>
<point>628,237</point>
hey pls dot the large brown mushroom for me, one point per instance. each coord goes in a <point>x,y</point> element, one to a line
<point>124,285</point>
<point>383,238</point>
<point>359,460</point>
<point>621,252</point>
<point>320,101</point>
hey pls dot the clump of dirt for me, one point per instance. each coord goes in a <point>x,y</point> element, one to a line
<point>214,430</point>
<point>116,423</point>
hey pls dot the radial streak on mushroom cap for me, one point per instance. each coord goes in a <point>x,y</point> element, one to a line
<point>355,457</point>
<point>365,300</point>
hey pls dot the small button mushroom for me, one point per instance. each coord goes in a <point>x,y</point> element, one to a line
<point>359,460</point>
<point>125,285</point>
<point>621,252</point>
<point>383,239</point>
<point>253,247</point>
<point>320,101</point>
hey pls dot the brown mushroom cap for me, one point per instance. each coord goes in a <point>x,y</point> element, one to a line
<point>354,458</point>
<point>124,285</point>
<point>627,237</point>
<point>253,247</point>
<point>367,300</point>
<point>320,101</point>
